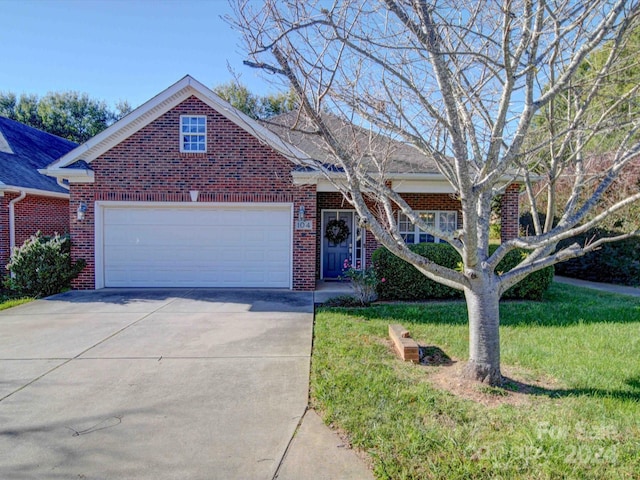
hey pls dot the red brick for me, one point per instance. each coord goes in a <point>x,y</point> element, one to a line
<point>148,166</point>
<point>33,213</point>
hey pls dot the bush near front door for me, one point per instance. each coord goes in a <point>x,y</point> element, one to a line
<point>400,281</point>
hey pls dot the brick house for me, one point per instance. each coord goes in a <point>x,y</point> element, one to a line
<point>29,201</point>
<point>186,191</point>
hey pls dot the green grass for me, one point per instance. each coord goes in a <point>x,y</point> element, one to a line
<point>583,422</point>
<point>13,302</point>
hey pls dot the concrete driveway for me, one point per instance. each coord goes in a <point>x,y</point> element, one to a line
<point>157,384</point>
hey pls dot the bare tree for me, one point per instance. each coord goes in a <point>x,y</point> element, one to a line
<point>463,82</point>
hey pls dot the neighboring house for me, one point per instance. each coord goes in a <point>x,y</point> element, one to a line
<point>186,191</point>
<point>29,201</point>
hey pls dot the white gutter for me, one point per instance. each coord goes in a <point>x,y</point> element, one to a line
<point>33,191</point>
<point>74,175</point>
<point>12,220</point>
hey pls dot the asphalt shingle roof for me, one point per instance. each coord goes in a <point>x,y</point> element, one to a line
<point>30,149</point>
<point>399,157</point>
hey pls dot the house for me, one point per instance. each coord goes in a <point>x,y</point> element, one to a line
<point>186,191</point>
<point>29,201</point>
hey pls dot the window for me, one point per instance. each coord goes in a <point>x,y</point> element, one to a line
<point>447,221</point>
<point>193,133</point>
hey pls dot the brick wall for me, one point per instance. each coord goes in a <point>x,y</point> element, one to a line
<point>148,166</point>
<point>32,214</point>
<point>417,201</point>
<point>510,213</point>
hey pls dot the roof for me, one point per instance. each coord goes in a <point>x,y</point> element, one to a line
<point>395,157</point>
<point>68,167</point>
<point>24,150</point>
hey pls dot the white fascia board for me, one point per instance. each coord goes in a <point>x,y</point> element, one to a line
<point>73,175</point>
<point>161,104</point>
<point>33,191</point>
<point>422,186</point>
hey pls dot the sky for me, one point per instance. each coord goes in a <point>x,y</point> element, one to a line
<point>118,50</point>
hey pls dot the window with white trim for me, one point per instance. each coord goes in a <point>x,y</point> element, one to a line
<point>193,133</point>
<point>445,220</point>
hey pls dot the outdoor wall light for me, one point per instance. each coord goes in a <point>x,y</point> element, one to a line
<point>301,213</point>
<point>82,210</point>
<point>194,195</point>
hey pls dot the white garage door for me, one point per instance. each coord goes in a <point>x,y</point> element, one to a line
<point>195,246</point>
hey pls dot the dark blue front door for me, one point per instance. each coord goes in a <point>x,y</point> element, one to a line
<point>334,255</point>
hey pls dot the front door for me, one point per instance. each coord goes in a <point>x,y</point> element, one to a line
<point>334,253</point>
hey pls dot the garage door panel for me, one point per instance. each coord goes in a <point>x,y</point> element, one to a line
<point>246,246</point>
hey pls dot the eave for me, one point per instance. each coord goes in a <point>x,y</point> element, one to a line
<point>73,175</point>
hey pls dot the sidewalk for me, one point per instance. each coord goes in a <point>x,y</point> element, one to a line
<point>604,287</point>
<point>318,453</point>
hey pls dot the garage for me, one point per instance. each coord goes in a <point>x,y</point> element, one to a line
<point>187,245</point>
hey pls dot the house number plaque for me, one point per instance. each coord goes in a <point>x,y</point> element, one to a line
<point>304,225</point>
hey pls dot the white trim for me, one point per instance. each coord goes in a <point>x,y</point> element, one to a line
<point>401,182</point>
<point>353,237</point>
<point>33,191</point>
<point>159,105</point>
<point>291,256</point>
<point>101,205</point>
<point>182,134</point>
<point>422,186</point>
<point>416,232</point>
<point>73,175</point>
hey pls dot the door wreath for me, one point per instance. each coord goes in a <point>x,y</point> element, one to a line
<point>337,231</point>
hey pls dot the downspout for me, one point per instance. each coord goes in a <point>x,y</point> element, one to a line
<point>12,220</point>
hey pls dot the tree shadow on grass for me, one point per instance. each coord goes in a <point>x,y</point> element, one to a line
<point>516,386</point>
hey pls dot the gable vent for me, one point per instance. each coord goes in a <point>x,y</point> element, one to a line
<point>4,145</point>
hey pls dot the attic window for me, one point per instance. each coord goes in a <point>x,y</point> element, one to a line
<point>193,133</point>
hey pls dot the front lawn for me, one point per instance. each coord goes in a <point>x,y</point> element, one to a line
<point>571,409</point>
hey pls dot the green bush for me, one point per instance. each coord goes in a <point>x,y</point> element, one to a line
<point>533,286</point>
<point>42,266</point>
<point>617,262</point>
<point>399,280</point>
<point>364,284</point>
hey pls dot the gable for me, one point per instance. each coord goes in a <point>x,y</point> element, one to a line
<point>151,158</point>
<point>152,110</point>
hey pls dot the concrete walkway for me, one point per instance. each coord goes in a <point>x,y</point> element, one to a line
<point>162,384</point>
<point>330,289</point>
<point>604,287</point>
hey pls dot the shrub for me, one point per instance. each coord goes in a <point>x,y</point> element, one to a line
<point>533,286</point>
<point>364,284</point>
<point>42,266</point>
<point>617,262</point>
<point>401,281</point>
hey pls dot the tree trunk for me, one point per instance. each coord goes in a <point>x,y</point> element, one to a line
<point>484,335</point>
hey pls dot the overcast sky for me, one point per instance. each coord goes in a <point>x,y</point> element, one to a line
<point>117,50</point>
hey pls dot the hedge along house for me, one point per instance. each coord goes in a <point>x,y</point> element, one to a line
<point>186,191</point>
<point>29,201</point>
